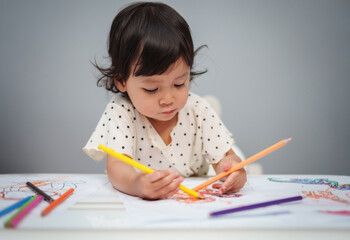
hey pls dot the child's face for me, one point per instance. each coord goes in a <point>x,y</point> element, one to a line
<point>159,97</point>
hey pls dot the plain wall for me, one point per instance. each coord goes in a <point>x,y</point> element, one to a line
<point>280,69</point>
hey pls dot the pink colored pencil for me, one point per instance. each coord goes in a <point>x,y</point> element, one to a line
<point>25,211</point>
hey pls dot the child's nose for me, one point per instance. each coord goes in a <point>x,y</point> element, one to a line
<point>167,99</point>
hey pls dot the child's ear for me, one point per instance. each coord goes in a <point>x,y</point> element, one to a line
<point>120,85</point>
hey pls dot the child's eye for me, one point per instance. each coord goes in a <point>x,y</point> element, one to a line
<point>150,90</point>
<point>179,85</point>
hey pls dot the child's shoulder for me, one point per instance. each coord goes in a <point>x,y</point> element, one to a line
<point>121,101</point>
<point>196,101</point>
<point>120,104</point>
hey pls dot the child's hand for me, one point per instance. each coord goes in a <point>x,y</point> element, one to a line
<point>233,182</point>
<point>158,185</point>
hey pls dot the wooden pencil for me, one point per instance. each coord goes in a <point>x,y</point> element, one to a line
<point>242,164</point>
<point>14,206</point>
<point>143,168</point>
<point>56,202</point>
<point>254,206</point>
<point>7,223</point>
<point>17,219</point>
<point>39,191</point>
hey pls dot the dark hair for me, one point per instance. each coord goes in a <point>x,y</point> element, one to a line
<point>152,36</point>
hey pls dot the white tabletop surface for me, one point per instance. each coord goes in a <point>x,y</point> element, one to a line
<point>103,216</point>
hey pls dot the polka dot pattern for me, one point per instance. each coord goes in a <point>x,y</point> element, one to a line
<point>199,138</point>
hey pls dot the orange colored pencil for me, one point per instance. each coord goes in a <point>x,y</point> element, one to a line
<point>242,164</point>
<point>56,202</point>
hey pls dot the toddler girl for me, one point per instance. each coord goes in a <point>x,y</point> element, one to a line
<point>153,118</point>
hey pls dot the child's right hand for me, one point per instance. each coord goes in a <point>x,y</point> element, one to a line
<point>158,185</point>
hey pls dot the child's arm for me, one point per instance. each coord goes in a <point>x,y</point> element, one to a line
<point>236,180</point>
<point>156,185</point>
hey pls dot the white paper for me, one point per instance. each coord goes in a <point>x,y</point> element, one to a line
<point>13,188</point>
<point>321,209</point>
<point>321,206</point>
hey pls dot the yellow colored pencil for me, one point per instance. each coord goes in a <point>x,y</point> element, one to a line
<point>143,168</point>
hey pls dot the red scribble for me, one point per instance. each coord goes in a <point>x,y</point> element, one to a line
<point>324,195</point>
<point>185,198</point>
<point>21,187</point>
<point>214,192</point>
<point>343,213</point>
<point>209,194</point>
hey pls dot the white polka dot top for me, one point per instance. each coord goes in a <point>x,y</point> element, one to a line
<point>198,139</point>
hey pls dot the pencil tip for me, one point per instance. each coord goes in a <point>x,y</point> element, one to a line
<point>288,140</point>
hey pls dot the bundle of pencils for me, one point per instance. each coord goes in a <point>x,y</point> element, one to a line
<point>27,204</point>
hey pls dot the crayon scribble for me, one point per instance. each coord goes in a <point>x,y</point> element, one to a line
<point>325,195</point>
<point>342,213</point>
<point>209,194</point>
<point>53,187</point>
<point>318,181</point>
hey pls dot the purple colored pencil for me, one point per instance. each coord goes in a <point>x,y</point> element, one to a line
<point>25,211</point>
<point>257,205</point>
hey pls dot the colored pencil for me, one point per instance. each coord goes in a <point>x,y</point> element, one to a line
<point>142,167</point>
<point>16,220</point>
<point>6,224</point>
<point>242,164</point>
<point>56,202</point>
<point>39,191</point>
<point>257,205</point>
<point>14,206</point>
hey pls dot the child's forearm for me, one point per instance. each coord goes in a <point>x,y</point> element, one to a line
<point>122,176</point>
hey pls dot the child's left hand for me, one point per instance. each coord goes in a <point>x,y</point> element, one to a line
<point>233,182</point>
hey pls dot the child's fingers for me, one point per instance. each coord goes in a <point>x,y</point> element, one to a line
<point>234,182</point>
<point>157,175</point>
<point>175,188</point>
<point>217,185</point>
<point>225,167</point>
<point>166,180</point>
<point>160,184</point>
<point>170,189</point>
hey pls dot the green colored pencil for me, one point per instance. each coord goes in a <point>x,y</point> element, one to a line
<point>7,223</point>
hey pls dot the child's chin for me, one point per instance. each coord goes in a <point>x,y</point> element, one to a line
<point>166,118</point>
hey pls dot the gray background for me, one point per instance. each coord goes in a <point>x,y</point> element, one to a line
<point>280,68</point>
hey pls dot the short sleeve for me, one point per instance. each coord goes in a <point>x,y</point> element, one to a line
<point>217,140</point>
<point>115,130</point>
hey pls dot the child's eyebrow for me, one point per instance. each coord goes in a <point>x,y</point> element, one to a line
<point>152,79</point>
<point>183,75</point>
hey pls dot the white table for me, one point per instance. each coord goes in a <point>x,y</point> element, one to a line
<point>103,216</point>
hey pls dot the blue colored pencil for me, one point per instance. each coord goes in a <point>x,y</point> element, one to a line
<point>14,206</point>
<point>257,205</point>
<point>15,221</point>
<point>7,223</point>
